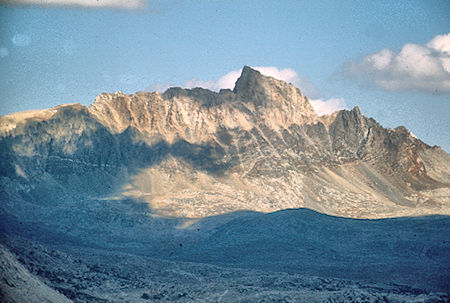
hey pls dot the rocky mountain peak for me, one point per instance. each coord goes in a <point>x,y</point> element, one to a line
<point>259,147</point>
<point>276,98</point>
<point>248,81</point>
<point>196,114</point>
<point>252,86</point>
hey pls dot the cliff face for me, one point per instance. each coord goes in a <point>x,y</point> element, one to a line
<point>196,115</point>
<point>195,153</point>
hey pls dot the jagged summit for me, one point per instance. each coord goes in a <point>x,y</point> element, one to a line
<point>251,79</point>
<point>255,98</point>
<point>197,114</point>
<point>252,86</point>
<point>248,80</point>
<point>195,153</point>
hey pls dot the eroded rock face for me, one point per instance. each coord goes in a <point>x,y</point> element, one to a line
<point>197,115</point>
<point>197,153</point>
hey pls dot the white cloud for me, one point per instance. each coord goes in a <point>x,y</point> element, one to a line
<point>440,43</point>
<point>3,52</point>
<point>21,40</point>
<point>229,79</point>
<point>420,67</point>
<point>329,106</point>
<point>119,4</point>
<point>159,87</point>
<point>226,81</point>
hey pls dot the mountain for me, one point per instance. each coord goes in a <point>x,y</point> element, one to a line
<point>196,153</point>
<point>192,195</point>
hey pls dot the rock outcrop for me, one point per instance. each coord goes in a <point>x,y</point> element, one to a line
<point>196,153</point>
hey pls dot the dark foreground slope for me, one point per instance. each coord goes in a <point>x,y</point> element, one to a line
<point>292,255</point>
<point>92,275</point>
<point>412,251</point>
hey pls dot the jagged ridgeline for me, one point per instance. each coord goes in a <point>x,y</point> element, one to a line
<point>197,153</point>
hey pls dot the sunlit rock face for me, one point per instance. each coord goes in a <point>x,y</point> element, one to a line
<point>196,153</point>
<point>197,115</point>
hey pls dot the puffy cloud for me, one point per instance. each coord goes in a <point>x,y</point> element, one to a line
<point>420,67</point>
<point>440,43</point>
<point>329,106</point>
<point>21,40</point>
<point>159,87</point>
<point>3,52</point>
<point>229,79</point>
<point>118,4</point>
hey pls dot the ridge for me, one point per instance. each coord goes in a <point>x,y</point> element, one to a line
<point>196,153</point>
<point>256,99</point>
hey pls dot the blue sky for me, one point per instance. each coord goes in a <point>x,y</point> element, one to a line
<point>342,53</point>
